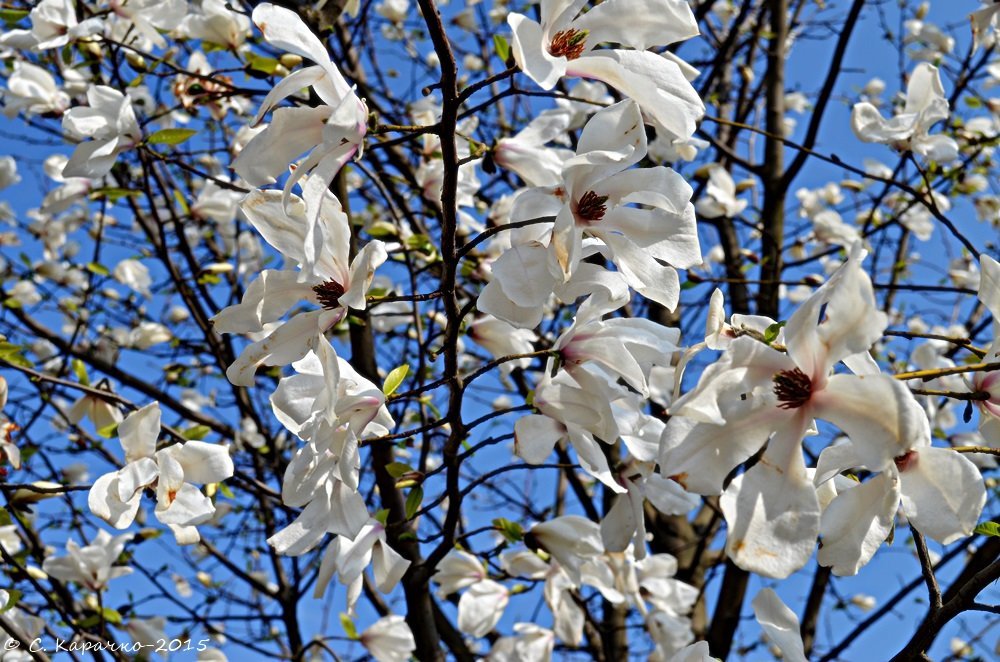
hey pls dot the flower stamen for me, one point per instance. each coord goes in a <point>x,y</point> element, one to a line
<point>329,294</point>
<point>568,43</point>
<point>591,207</point>
<point>793,388</point>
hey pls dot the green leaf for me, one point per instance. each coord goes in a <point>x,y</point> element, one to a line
<point>394,379</point>
<point>397,469</point>
<point>80,370</point>
<point>988,529</point>
<point>689,285</point>
<point>12,354</point>
<point>264,65</point>
<point>413,501</point>
<point>12,16</point>
<point>98,269</point>
<point>771,332</point>
<point>502,47</point>
<point>112,616</point>
<point>512,531</point>
<point>170,136</point>
<point>348,625</point>
<point>5,519</point>
<point>108,431</point>
<point>225,491</point>
<point>113,194</point>
<point>382,516</point>
<point>196,432</point>
<point>13,597</point>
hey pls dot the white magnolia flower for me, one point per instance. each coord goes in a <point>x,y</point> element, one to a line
<point>482,604</point>
<point>563,44</point>
<point>531,643</point>
<point>111,123</point>
<point>8,172</point>
<point>526,154</point>
<point>325,276</point>
<point>754,392</point>
<point>216,23</point>
<point>140,21</point>
<point>389,639</point>
<point>91,566</point>
<point>135,275</point>
<point>347,558</point>
<point>33,91</point>
<point>720,195</point>
<point>926,105</point>
<point>333,133</point>
<point>171,472</point>
<point>989,382</point>
<point>53,25</point>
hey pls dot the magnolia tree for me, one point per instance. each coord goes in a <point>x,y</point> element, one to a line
<point>589,330</point>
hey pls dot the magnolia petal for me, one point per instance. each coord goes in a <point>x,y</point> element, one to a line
<point>880,433</point>
<point>188,507</point>
<point>943,493</point>
<point>531,53</point>
<point>203,462</point>
<point>781,625</point>
<point>644,274</point>
<point>289,342</point>
<point>668,497</point>
<point>370,258</point>
<point>481,607</point>
<point>857,522</point>
<point>135,477</point>
<point>388,567</point>
<point>639,23</point>
<point>139,431</point>
<point>104,502</point>
<point>292,132</point>
<point>535,436</point>
<point>772,510</point>
<point>305,532</point>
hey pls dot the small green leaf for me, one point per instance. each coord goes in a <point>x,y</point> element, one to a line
<point>413,501</point>
<point>80,370</point>
<point>225,491</point>
<point>170,136</point>
<point>395,378</point>
<point>512,531</point>
<point>262,65</point>
<point>5,519</point>
<point>13,597</point>
<point>12,354</point>
<point>382,516</point>
<point>348,625</point>
<point>12,16</point>
<point>113,194</point>
<point>108,431</point>
<point>771,332</point>
<point>988,529</point>
<point>502,47</point>
<point>397,469</point>
<point>98,269</point>
<point>196,432</point>
<point>112,616</point>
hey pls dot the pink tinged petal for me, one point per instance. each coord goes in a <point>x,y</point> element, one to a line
<point>139,431</point>
<point>104,502</point>
<point>851,320</point>
<point>857,522</point>
<point>388,567</point>
<point>878,413</point>
<point>203,462</point>
<point>372,256</point>
<point>639,23</point>
<point>780,624</point>
<point>644,274</point>
<point>943,493</point>
<point>535,436</point>
<point>286,344</point>
<point>480,607</point>
<point>772,510</point>
<point>531,53</point>
<point>292,132</point>
<point>657,84</point>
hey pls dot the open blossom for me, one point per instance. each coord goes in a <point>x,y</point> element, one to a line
<point>326,276</point>
<point>484,600</point>
<point>347,558</point>
<point>332,133</point>
<point>33,91</point>
<point>92,565</point>
<point>171,472</point>
<point>53,25</point>
<point>755,393</point>
<point>216,23</point>
<point>720,195</point>
<point>641,218</point>
<point>564,44</point>
<point>926,105</point>
<point>389,639</point>
<point>111,124</point>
